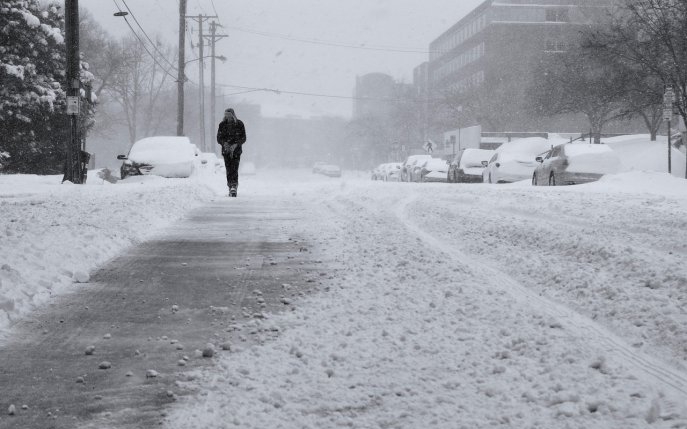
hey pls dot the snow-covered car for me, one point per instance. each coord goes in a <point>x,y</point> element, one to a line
<point>393,172</point>
<point>378,172</point>
<point>408,166</point>
<point>164,156</point>
<point>575,163</point>
<point>316,168</point>
<point>247,168</point>
<point>468,165</point>
<point>434,170</point>
<point>515,161</point>
<point>330,170</point>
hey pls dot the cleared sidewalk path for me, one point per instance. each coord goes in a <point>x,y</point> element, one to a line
<point>145,312</point>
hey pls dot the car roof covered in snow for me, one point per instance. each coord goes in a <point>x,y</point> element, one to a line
<point>162,149</point>
<point>574,149</point>
<point>474,157</point>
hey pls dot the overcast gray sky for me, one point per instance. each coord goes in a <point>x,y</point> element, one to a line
<point>272,62</point>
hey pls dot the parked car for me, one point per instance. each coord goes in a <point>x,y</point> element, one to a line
<point>434,170</point>
<point>575,163</point>
<point>317,167</point>
<point>468,165</point>
<point>515,161</point>
<point>409,165</point>
<point>160,156</point>
<point>393,172</point>
<point>330,170</point>
<point>379,172</point>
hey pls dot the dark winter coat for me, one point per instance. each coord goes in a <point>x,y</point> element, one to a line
<point>231,132</point>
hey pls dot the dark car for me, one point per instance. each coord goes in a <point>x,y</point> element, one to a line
<point>468,165</point>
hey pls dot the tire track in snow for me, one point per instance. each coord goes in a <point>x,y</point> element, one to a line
<point>649,369</point>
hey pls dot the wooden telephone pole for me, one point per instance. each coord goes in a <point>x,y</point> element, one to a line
<point>74,170</point>
<point>181,77</point>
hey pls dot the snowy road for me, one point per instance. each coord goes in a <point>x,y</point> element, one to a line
<point>475,306</point>
<point>431,305</point>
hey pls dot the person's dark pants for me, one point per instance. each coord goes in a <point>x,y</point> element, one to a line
<point>232,166</point>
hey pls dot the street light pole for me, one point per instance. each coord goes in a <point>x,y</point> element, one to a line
<point>181,76</point>
<point>73,168</point>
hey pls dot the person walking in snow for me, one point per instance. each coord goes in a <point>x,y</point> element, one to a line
<point>231,135</point>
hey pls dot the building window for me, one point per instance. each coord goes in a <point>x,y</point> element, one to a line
<point>557,15</point>
<point>556,46</point>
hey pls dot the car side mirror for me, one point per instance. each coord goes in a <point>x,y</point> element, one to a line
<point>485,163</point>
<point>539,159</point>
<point>122,157</point>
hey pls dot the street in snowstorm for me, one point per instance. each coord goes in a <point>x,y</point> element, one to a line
<point>391,215</point>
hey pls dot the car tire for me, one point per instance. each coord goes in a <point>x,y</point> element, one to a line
<point>534,179</point>
<point>552,180</point>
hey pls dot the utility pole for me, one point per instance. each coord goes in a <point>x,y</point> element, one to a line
<point>201,83</point>
<point>181,77</point>
<point>201,79</point>
<point>73,166</point>
<point>213,38</point>
<point>668,100</point>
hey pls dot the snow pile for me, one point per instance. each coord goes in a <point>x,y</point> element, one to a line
<point>410,331</point>
<point>53,235</point>
<point>638,152</point>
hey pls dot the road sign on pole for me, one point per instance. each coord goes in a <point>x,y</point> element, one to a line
<point>667,114</point>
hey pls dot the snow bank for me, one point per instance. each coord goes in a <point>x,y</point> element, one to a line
<point>638,152</point>
<point>53,235</point>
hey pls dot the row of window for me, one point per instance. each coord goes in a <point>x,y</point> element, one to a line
<point>458,37</point>
<point>467,57</point>
<point>557,46</point>
<point>473,81</point>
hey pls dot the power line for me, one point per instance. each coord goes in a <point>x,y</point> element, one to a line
<point>143,43</point>
<point>248,89</point>
<point>326,43</point>
<point>147,37</point>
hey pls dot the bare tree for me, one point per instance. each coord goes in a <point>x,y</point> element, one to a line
<point>139,86</point>
<point>582,81</point>
<point>650,34</point>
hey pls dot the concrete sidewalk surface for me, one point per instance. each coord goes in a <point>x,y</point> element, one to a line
<point>147,313</point>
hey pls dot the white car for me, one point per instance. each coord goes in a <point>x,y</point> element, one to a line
<point>330,170</point>
<point>160,156</point>
<point>410,165</point>
<point>393,172</point>
<point>515,161</point>
<point>434,170</point>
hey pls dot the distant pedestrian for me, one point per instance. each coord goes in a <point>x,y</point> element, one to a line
<point>231,135</point>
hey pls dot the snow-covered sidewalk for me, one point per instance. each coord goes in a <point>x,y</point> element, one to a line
<point>473,306</point>
<point>53,235</point>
